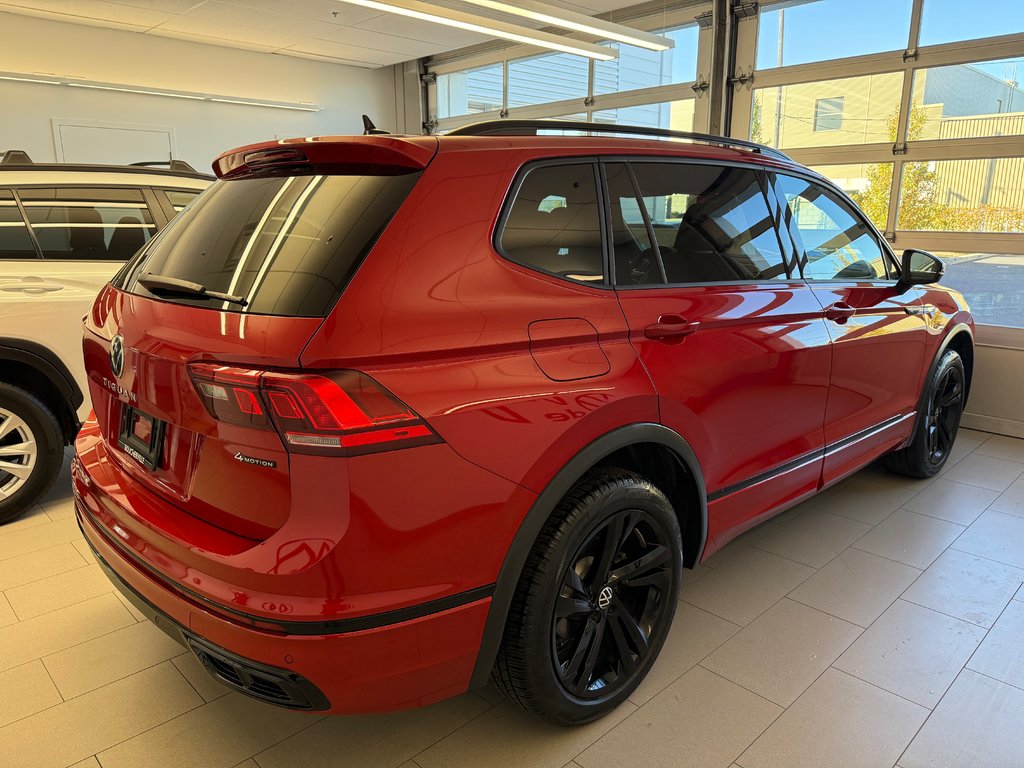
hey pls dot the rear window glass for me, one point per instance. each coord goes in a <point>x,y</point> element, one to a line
<point>287,245</point>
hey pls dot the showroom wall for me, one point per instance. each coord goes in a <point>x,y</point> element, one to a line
<point>200,129</point>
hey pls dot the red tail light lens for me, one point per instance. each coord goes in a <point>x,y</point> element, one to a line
<point>340,413</point>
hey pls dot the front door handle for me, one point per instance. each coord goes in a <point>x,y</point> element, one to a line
<point>670,327</point>
<point>839,312</point>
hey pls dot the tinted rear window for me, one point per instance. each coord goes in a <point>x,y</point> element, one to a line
<point>288,245</point>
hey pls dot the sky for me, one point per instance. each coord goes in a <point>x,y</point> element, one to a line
<point>830,29</point>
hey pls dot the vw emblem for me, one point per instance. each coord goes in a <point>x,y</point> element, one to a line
<point>604,599</point>
<point>117,355</point>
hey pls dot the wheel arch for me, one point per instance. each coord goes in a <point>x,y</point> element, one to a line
<point>37,369</point>
<point>657,452</point>
<point>961,339</point>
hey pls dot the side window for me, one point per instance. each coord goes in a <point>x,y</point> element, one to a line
<point>15,241</point>
<point>77,223</point>
<point>554,223</point>
<point>836,243</point>
<point>179,198</point>
<point>711,223</point>
<point>636,260</point>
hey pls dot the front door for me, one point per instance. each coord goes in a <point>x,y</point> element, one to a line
<point>879,333</point>
<point>732,338</point>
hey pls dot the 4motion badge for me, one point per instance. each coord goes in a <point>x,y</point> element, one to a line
<point>254,461</point>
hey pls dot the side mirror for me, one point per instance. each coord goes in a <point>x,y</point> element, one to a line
<point>919,268</point>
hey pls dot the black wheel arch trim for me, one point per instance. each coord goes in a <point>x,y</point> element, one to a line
<point>544,505</point>
<point>47,363</point>
<point>922,401</point>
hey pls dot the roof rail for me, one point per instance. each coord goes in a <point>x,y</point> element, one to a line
<point>15,157</point>
<point>532,127</point>
<point>172,165</point>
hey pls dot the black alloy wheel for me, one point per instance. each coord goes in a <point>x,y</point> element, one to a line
<point>595,599</point>
<point>613,595</point>
<point>944,409</point>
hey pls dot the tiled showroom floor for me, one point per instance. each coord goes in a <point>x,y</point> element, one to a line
<point>872,626</point>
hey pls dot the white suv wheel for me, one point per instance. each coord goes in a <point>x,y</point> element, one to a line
<point>18,453</point>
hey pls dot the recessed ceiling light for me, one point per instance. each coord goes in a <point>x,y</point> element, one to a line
<point>578,22</point>
<point>483,25</point>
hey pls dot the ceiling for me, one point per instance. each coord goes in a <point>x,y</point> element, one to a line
<point>325,30</point>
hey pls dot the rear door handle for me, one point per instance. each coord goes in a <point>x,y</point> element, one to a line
<point>926,309</point>
<point>839,312</point>
<point>670,327</point>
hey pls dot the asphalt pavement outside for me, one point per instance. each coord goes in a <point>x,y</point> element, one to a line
<point>993,286</point>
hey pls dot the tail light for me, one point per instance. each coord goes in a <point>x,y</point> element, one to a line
<point>341,413</point>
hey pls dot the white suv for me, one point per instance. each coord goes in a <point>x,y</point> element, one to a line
<point>65,230</point>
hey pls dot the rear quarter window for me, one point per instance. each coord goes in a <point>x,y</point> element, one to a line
<point>287,245</point>
<point>553,223</point>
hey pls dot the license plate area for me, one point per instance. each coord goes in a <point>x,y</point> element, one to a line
<point>141,436</point>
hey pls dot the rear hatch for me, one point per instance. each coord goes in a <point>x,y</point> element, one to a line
<point>193,350</point>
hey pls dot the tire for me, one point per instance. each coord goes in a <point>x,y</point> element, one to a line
<point>560,605</point>
<point>937,423</point>
<point>26,421</point>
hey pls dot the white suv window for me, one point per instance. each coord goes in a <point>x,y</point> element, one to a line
<point>90,224</point>
<point>15,241</point>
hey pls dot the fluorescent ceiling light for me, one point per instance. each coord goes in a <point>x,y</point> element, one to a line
<point>30,80</point>
<point>415,9</point>
<point>172,94</point>
<point>192,96</point>
<point>578,22</point>
<point>265,104</point>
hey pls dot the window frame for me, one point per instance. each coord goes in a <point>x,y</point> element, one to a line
<point>28,226</point>
<point>152,205</point>
<point>512,195</point>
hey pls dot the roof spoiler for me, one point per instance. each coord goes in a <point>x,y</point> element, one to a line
<point>15,157</point>
<point>377,155</point>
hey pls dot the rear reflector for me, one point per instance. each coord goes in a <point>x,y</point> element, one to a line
<point>339,413</point>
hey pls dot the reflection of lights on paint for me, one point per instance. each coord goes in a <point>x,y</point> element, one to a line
<point>121,532</point>
<point>532,396</point>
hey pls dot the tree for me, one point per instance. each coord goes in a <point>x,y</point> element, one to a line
<point>918,207</point>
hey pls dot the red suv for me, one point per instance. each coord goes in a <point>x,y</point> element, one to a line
<point>378,417</point>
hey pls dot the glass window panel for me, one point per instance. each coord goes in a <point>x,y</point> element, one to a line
<point>856,110</point>
<point>712,223</point>
<point>470,91</point>
<point>15,241</point>
<point>675,115</point>
<point>179,198</point>
<point>642,68</point>
<point>967,101</point>
<point>554,224</point>
<point>836,243</point>
<point>869,184</point>
<point>636,263</point>
<point>963,196</point>
<point>802,32</point>
<point>993,284</point>
<point>549,77</point>
<point>73,227</point>
<point>945,21</point>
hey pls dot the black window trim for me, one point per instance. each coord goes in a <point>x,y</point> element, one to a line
<point>513,193</point>
<point>28,225</point>
<point>892,266</point>
<point>760,171</point>
<point>159,219</point>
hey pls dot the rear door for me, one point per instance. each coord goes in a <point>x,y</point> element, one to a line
<point>733,339</point>
<point>879,334</point>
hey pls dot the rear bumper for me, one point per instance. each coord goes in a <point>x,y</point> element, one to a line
<point>396,666</point>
